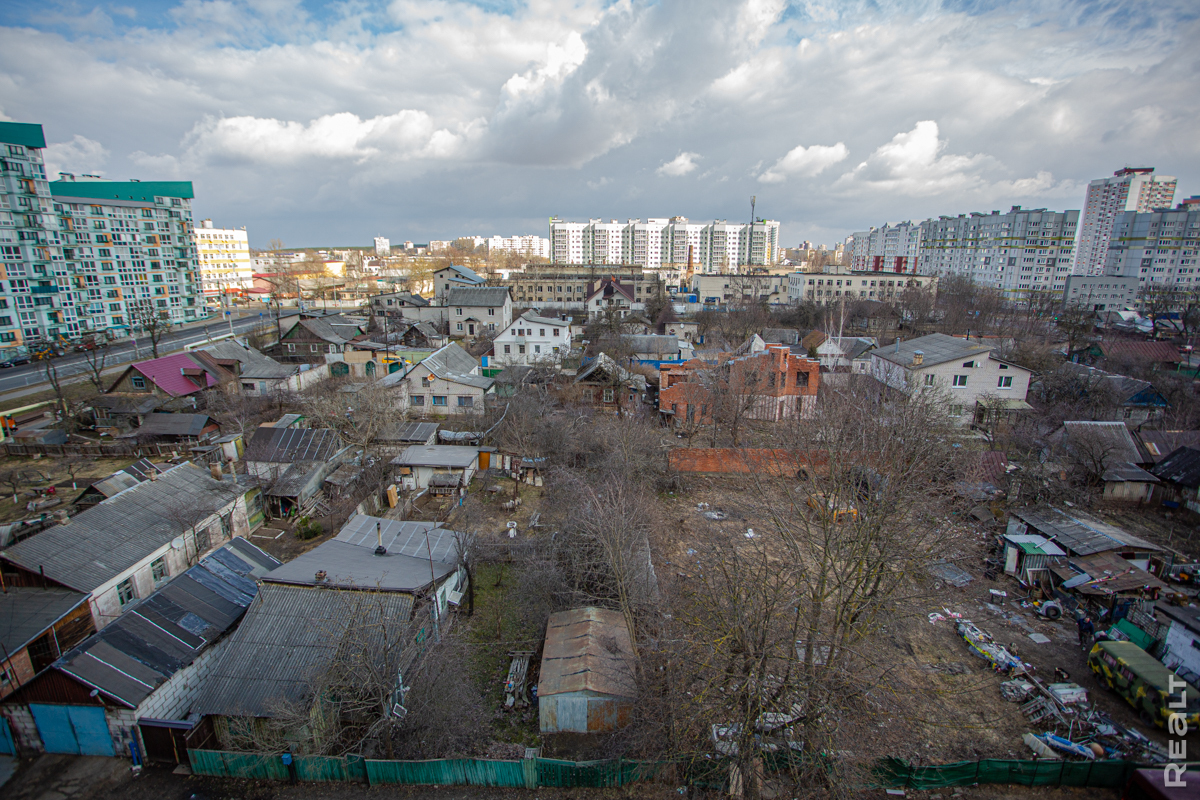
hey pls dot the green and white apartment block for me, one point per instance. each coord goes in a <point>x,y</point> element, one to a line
<point>81,255</point>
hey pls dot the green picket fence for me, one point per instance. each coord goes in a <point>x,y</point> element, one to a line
<point>895,772</point>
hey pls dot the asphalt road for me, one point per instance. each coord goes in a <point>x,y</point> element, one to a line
<point>122,352</point>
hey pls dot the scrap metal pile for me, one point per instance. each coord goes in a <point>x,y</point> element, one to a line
<point>986,647</point>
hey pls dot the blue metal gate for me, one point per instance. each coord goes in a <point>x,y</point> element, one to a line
<point>74,730</point>
<point>7,746</point>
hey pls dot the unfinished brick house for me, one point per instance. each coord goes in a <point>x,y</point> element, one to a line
<point>771,385</point>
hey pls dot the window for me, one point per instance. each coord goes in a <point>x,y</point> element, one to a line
<point>956,411</point>
<point>416,400</point>
<point>439,399</point>
<point>537,348</point>
<point>291,348</point>
<point>459,326</point>
<point>125,592</point>
<point>507,349</point>
<point>1005,382</point>
<point>960,380</point>
<point>465,401</point>
<point>158,569</point>
<point>458,312</point>
<point>425,381</point>
<point>541,331</point>
<point>608,394</point>
<point>249,387</point>
<point>929,379</point>
<point>312,348</point>
<point>968,364</point>
<point>138,382</point>
<point>521,349</point>
<point>555,331</point>
<point>491,312</point>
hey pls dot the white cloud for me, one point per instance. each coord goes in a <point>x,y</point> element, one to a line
<point>679,166</point>
<point>805,162</point>
<point>81,154</point>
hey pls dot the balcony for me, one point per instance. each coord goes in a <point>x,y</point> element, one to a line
<point>44,289</point>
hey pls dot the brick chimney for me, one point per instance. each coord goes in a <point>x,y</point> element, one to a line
<point>918,358</point>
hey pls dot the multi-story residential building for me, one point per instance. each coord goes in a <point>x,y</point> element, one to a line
<point>736,288</point>
<point>478,310</point>
<point>1135,189</point>
<point>713,247</point>
<point>1100,292</point>
<point>1022,251</point>
<point>835,285</point>
<point>383,246</point>
<point>1159,246</point>
<point>224,256</point>
<point>127,253</point>
<point>567,286</point>
<point>528,246</point>
<point>772,384</point>
<point>892,248</point>
<point>31,256</point>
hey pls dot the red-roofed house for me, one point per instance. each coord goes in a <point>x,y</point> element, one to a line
<point>177,375</point>
<point>609,294</point>
<point>1126,353</point>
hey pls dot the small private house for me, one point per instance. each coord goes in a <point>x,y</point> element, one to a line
<point>441,468</point>
<point>587,682</point>
<point>308,339</point>
<point>607,386</point>
<point>845,355</point>
<point>610,296</point>
<point>131,543</point>
<point>37,625</point>
<point>120,412</point>
<point>406,306</point>
<point>478,310</point>
<point>1135,402</point>
<point>531,340</point>
<point>1179,476</point>
<point>258,374</point>
<point>448,381</point>
<point>181,429</point>
<point>1154,446</point>
<point>453,277</point>
<point>1080,534</point>
<point>119,481</point>
<point>1107,451</point>
<point>776,384</point>
<point>399,436</point>
<point>134,682</point>
<point>292,464</point>
<point>181,375</point>
<point>378,574</point>
<point>967,370</point>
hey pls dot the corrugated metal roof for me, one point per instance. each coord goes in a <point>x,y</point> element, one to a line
<point>587,650</point>
<point>1081,533</point>
<point>162,424</point>
<point>292,481</point>
<point>254,364</point>
<point>1155,352</point>
<point>1157,445</point>
<point>1031,543</point>
<point>122,530</point>
<point>25,613</point>
<point>452,363</point>
<point>290,445</point>
<point>407,432</point>
<point>406,537</point>
<point>437,455</point>
<point>165,632</point>
<point>1181,467</point>
<point>165,373</point>
<point>289,634</point>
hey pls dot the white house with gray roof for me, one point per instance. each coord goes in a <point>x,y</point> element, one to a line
<point>479,310</point>
<point>966,371</point>
<point>454,277</point>
<point>532,340</point>
<point>448,381</point>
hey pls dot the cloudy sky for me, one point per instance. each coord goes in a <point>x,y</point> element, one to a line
<point>329,123</point>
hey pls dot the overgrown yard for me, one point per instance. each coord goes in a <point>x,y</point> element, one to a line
<point>34,475</point>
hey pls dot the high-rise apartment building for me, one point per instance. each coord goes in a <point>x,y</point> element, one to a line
<point>1135,189</point>
<point>1160,246</point>
<point>712,247</point>
<point>892,248</point>
<point>1022,251</point>
<point>383,246</point>
<point>529,246</point>
<point>127,254</point>
<point>224,256</point>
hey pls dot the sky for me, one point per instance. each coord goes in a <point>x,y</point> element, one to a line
<point>331,123</point>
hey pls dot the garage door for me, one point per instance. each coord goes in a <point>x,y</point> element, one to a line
<point>75,730</point>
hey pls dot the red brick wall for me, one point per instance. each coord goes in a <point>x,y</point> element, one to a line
<point>736,460</point>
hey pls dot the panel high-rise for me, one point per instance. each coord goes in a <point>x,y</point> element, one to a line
<point>1135,189</point>
<point>717,246</point>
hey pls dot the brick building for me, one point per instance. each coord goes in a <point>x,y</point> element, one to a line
<point>771,385</point>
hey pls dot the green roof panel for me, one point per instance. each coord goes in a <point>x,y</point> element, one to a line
<point>144,191</point>
<point>28,134</point>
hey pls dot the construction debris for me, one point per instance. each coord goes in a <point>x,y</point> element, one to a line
<point>984,646</point>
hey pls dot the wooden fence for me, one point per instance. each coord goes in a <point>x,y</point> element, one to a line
<point>108,450</point>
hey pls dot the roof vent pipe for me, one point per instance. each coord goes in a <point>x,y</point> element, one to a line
<point>918,358</point>
<point>380,550</point>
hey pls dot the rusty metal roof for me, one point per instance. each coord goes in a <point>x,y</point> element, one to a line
<point>587,650</point>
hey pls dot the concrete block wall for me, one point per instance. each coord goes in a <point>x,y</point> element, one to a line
<point>122,726</point>
<point>174,698</point>
<point>24,729</point>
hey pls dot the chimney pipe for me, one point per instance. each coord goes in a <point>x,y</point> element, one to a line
<point>321,575</point>
<point>215,471</point>
<point>918,358</point>
<point>154,475</point>
<point>380,550</point>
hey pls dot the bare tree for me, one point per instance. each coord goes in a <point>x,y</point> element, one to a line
<point>94,360</point>
<point>56,383</point>
<point>14,479</point>
<point>151,322</point>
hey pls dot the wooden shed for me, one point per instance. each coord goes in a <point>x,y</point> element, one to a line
<point>587,676</point>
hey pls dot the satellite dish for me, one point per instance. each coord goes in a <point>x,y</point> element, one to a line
<point>177,543</point>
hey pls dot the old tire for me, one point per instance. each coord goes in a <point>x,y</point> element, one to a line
<point>1052,612</point>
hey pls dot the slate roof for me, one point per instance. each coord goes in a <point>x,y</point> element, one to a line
<point>290,445</point>
<point>26,613</point>
<point>110,538</point>
<point>291,481</point>
<point>159,424</point>
<point>289,634</point>
<point>1114,441</point>
<point>853,346</point>
<point>1081,534</point>
<point>477,296</point>
<point>938,348</point>
<point>452,363</point>
<point>437,455</point>
<point>534,318</point>
<point>1155,352</point>
<point>407,432</point>
<point>587,650</point>
<point>604,364</point>
<point>1181,467</point>
<point>649,344</point>
<point>254,364</point>
<point>788,336</point>
<point>1125,388</point>
<point>405,537</point>
<point>139,651</point>
<point>121,403</point>
<point>321,329</point>
<point>465,273</point>
<point>1157,445</point>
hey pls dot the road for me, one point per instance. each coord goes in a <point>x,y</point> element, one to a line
<point>122,352</point>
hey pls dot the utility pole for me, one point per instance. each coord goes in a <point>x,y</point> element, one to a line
<point>750,236</point>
